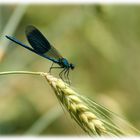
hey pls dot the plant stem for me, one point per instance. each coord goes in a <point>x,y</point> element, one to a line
<point>21,72</point>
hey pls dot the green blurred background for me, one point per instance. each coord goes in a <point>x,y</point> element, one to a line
<point>103,41</point>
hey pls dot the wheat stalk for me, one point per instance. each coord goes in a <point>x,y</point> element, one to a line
<point>93,118</point>
<point>78,110</point>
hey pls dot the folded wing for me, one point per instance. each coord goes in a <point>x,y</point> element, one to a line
<point>40,44</point>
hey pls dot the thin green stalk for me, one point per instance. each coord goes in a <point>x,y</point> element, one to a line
<point>21,72</point>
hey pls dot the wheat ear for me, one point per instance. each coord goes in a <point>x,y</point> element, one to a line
<point>78,110</point>
<point>92,117</point>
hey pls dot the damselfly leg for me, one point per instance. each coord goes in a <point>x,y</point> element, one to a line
<point>53,68</point>
<point>66,75</point>
<point>60,74</point>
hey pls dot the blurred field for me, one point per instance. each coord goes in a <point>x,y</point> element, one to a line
<point>103,41</point>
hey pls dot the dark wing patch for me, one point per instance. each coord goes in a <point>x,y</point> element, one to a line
<point>40,43</point>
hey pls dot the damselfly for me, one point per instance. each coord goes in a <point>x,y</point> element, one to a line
<point>41,46</point>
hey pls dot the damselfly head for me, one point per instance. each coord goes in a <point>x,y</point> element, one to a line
<point>72,66</point>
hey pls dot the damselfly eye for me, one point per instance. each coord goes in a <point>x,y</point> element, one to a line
<point>72,66</point>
